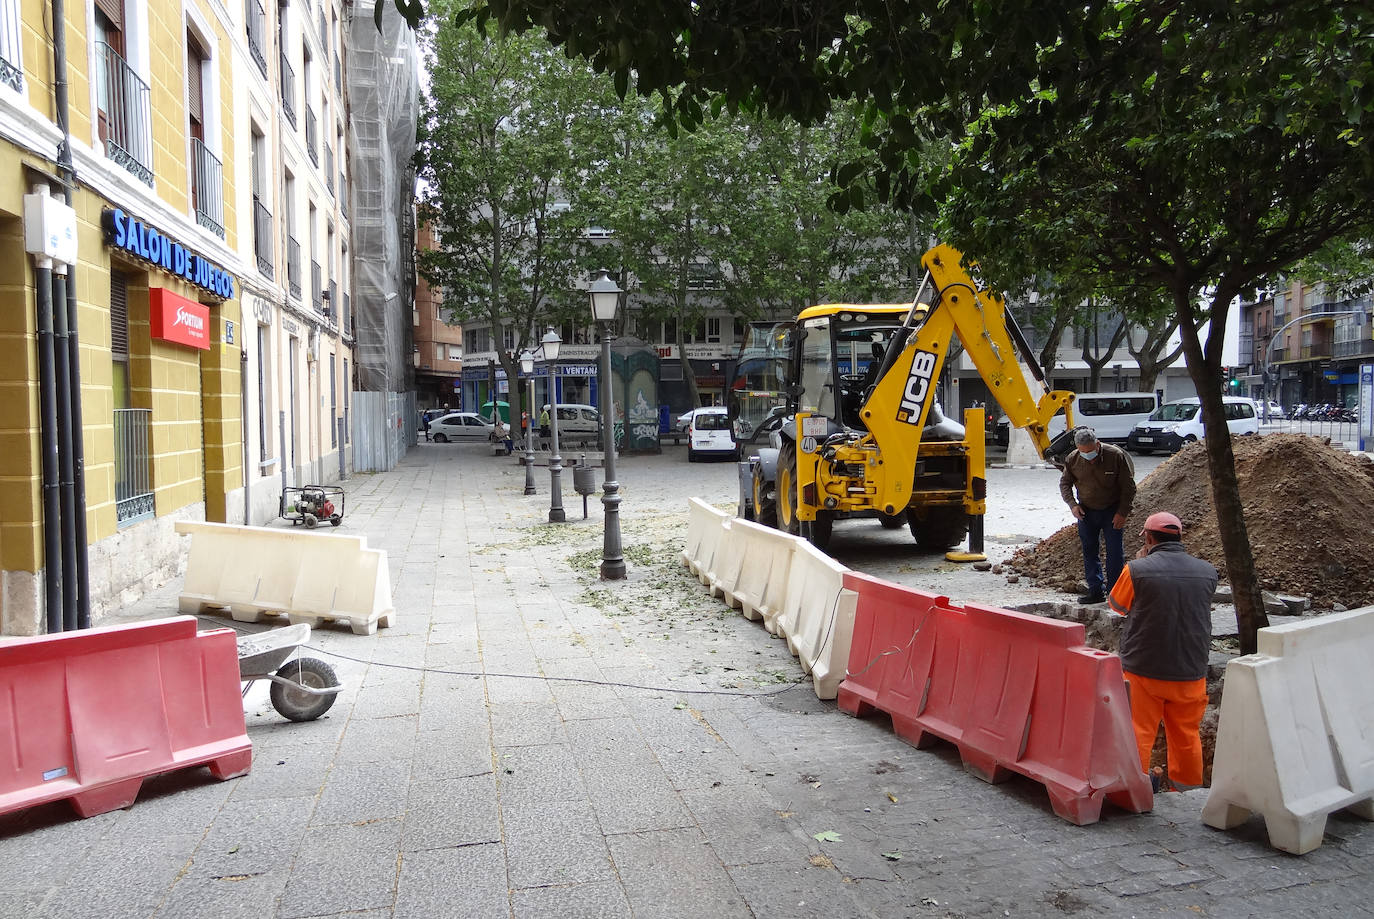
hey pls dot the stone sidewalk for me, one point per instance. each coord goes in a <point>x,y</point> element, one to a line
<point>529,742</point>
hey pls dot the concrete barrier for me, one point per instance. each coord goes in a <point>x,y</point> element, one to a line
<point>704,528</point>
<point>90,714</point>
<point>817,618</point>
<point>1295,736</point>
<point>259,572</point>
<point>759,588</point>
<point>1014,692</point>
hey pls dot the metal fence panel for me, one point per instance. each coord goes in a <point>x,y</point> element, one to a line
<point>384,425</point>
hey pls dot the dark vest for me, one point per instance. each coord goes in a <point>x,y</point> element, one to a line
<point>1168,633</point>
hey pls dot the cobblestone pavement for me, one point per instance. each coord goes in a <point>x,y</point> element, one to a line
<point>529,742</point>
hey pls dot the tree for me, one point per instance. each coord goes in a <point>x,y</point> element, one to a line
<point>495,163</point>
<point>1191,149</point>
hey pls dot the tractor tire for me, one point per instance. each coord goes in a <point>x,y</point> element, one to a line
<point>817,532</point>
<point>938,528</point>
<point>891,521</point>
<point>787,489</point>
<point>765,501</point>
<point>295,705</point>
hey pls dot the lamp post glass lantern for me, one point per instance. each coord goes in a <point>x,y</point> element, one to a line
<point>551,343</point>
<point>605,297</point>
<point>527,368</point>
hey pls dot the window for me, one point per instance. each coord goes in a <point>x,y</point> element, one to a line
<point>347,385</point>
<point>207,173</point>
<point>263,241</point>
<point>455,352</point>
<point>264,397</point>
<point>132,426</point>
<point>713,329</point>
<point>11,39</point>
<point>123,116</point>
<point>333,403</point>
<point>438,351</point>
<point>669,331</point>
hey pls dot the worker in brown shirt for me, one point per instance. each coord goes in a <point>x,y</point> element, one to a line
<point>1104,479</point>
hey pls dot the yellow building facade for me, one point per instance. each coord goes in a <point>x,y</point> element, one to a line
<point>158,127</point>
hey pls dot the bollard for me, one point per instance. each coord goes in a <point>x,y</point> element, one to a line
<point>584,482</point>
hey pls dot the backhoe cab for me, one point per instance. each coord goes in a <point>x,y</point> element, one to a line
<point>853,425</point>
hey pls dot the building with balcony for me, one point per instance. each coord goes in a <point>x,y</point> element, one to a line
<point>206,371</point>
<point>1305,344</point>
<point>438,345</point>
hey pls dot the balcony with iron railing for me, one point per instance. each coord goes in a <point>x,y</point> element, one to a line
<point>288,90</point>
<point>293,266</point>
<point>12,38</point>
<point>329,168</point>
<point>1355,348</point>
<point>262,237</point>
<point>346,317</point>
<point>316,286</point>
<point>310,136</point>
<point>256,17</point>
<point>133,465</point>
<point>1316,350</point>
<point>124,116</point>
<point>207,187</point>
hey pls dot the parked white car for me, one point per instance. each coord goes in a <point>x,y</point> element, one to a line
<point>709,434</point>
<point>1175,424</point>
<point>577,421</point>
<point>462,427</point>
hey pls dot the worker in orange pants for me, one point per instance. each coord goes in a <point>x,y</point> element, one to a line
<point>1166,596</point>
<point>1180,704</point>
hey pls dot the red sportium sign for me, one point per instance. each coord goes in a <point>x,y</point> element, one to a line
<point>173,318</point>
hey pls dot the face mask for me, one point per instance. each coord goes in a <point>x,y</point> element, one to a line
<point>1088,456</point>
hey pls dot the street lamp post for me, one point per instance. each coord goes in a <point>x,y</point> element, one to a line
<point>556,513</point>
<point>527,367</point>
<point>605,295</point>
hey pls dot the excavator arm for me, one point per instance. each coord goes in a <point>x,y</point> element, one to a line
<point>896,409</point>
<point>992,338</point>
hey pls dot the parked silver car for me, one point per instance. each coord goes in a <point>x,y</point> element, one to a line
<point>464,427</point>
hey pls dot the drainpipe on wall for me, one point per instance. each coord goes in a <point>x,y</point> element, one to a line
<point>65,464</point>
<point>243,423</point>
<point>80,571</point>
<point>47,416</point>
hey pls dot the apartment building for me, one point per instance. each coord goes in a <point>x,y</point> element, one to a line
<point>438,345</point>
<point>1311,340</point>
<point>198,145</point>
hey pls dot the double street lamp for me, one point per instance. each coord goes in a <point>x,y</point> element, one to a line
<point>605,295</point>
<point>556,513</point>
<point>527,368</point>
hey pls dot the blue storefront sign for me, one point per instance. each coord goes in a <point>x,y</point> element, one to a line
<point>158,249</point>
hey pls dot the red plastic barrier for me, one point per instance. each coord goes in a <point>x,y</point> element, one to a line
<point>88,715</point>
<point>1014,692</point>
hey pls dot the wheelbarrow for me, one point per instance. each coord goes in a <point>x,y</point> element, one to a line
<point>302,689</point>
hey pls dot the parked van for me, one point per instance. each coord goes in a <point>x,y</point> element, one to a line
<point>577,421</point>
<point>1180,422</point>
<point>709,433</point>
<point>1111,415</point>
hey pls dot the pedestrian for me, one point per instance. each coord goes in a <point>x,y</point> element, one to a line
<point>544,433</point>
<point>1166,596</point>
<point>424,423</point>
<point>1104,479</point>
<point>501,435</point>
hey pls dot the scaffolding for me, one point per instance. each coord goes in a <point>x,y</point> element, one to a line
<point>383,105</point>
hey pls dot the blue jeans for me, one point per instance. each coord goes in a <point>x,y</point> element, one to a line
<point>1095,526</point>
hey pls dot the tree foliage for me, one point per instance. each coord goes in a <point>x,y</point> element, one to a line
<point>1189,149</point>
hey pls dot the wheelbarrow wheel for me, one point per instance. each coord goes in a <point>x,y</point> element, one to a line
<point>296,705</point>
<point>335,520</point>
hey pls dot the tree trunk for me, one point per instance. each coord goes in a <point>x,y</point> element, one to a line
<point>1205,370</point>
<point>1147,357</point>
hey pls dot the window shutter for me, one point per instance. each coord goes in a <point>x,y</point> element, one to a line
<point>119,315</point>
<point>113,10</point>
<point>195,90</point>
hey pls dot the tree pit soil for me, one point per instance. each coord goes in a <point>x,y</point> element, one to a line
<point>1307,507</point>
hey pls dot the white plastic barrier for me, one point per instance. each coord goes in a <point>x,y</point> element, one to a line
<point>307,576</point>
<point>704,529</point>
<point>759,587</point>
<point>1295,739</point>
<point>818,617</point>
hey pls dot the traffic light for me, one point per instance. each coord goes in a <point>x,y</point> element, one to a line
<point>1235,381</point>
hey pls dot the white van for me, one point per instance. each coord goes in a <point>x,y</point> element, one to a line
<point>1177,423</point>
<point>1111,415</point>
<point>709,433</point>
<point>577,421</point>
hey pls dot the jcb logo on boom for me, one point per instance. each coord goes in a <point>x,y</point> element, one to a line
<point>917,387</point>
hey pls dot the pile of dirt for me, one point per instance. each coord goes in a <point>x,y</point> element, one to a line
<point>1305,511</point>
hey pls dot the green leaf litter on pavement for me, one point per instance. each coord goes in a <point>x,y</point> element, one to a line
<point>827,836</point>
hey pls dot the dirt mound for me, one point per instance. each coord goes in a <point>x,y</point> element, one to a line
<point>1307,508</point>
